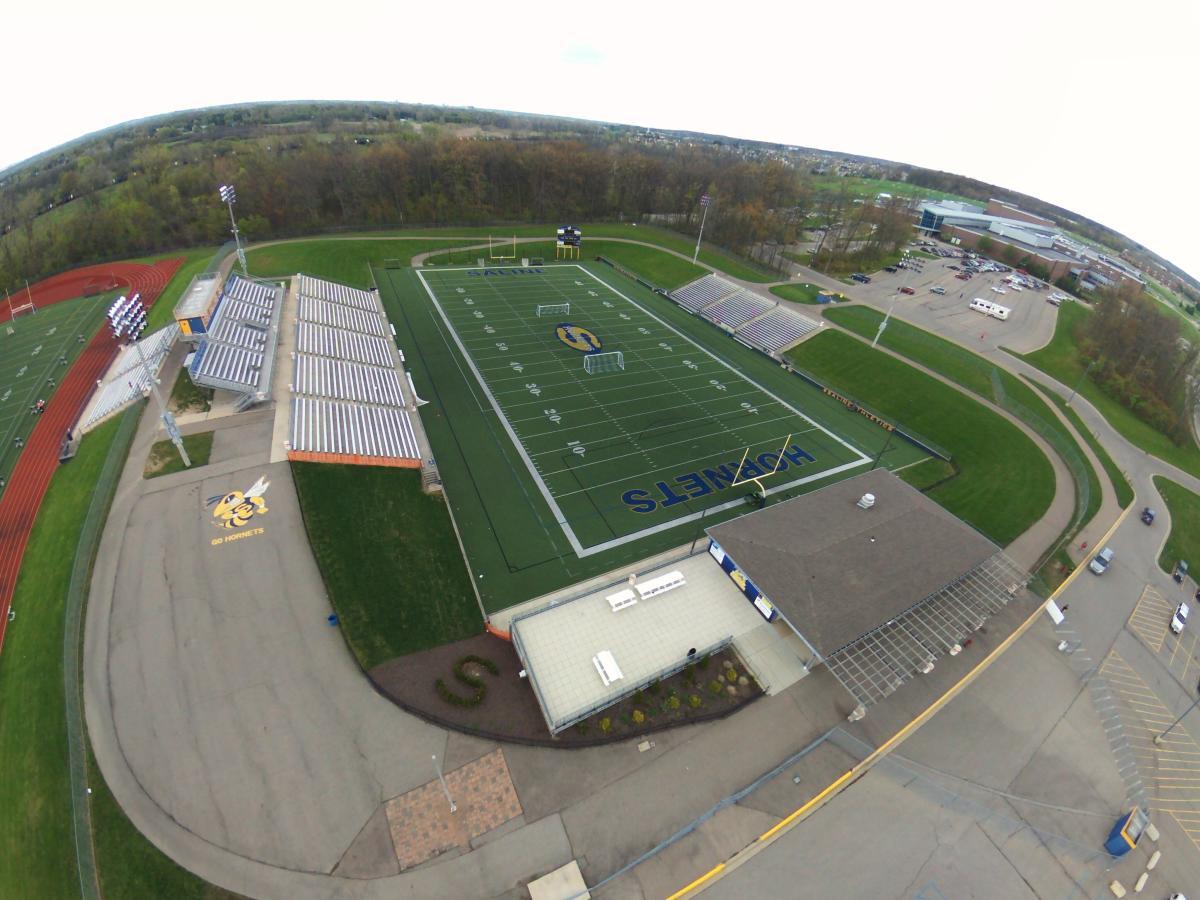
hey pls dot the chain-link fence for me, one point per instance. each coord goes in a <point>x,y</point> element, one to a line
<point>77,591</point>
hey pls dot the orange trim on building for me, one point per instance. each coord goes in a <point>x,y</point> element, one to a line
<point>354,459</point>
<point>492,629</point>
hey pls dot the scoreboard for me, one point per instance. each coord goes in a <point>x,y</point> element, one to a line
<point>569,236</point>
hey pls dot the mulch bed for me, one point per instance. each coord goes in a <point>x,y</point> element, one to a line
<point>509,711</point>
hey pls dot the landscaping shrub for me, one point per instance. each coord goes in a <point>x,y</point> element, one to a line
<point>479,689</point>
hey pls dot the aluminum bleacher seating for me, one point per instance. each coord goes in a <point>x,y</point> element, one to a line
<point>336,293</point>
<point>737,309</point>
<point>338,315</point>
<point>331,426</point>
<point>776,330</point>
<point>320,376</point>
<point>351,345</point>
<point>702,292</point>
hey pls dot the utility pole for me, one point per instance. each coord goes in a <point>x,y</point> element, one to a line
<point>437,767</point>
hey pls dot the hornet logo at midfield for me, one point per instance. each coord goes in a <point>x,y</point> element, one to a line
<point>235,509</point>
<point>578,338</point>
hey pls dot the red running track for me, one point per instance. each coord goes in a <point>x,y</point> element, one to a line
<point>35,467</point>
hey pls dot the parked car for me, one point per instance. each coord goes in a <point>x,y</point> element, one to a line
<point>938,289</point>
<point>907,290</point>
<point>1181,570</point>
<point>999,290</point>
<point>952,267</point>
<point>963,276</point>
<point>890,269</point>
<point>1179,620</point>
<point>861,278</point>
<point>1148,516</point>
<point>1054,301</point>
<point>1101,561</point>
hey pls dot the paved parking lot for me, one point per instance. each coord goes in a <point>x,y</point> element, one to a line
<point>1170,769</point>
<point>1179,653</point>
<point>1031,324</point>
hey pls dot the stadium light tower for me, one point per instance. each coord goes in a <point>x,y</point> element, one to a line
<point>127,318</point>
<point>229,197</point>
<point>705,200</point>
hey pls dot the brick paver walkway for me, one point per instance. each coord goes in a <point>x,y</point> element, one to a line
<point>422,825</point>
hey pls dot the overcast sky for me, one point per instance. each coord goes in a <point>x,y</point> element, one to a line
<point>1091,106</point>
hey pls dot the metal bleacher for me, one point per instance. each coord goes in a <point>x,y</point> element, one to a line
<point>737,309</point>
<point>348,401</point>
<point>756,320</point>
<point>776,330</point>
<point>341,316</point>
<point>351,429</point>
<point>702,292</point>
<point>126,381</point>
<point>336,293</point>
<point>320,376</point>
<point>338,344</point>
<point>238,352</point>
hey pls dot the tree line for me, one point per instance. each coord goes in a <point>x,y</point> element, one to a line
<point>1138,356</point>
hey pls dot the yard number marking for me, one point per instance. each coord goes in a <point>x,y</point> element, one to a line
<point>577,447</point>
<point>534,389</point>
<point>665,346</point>
<point>750,408</point>
<point>552,415</point>
<point>717,384</point>
<point>691,365</point>
<point>516,367</point>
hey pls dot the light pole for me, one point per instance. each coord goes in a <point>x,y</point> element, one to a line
<point>127,318</point>
<point>1075,389</point>
<point>437,767</point>
<point>705,200</point>
<point>895,297</point>
<point>229,197</point>
<point>1158,738</point>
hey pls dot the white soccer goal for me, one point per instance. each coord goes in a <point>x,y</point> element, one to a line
<point>554,309</point>
<point>594,363</point>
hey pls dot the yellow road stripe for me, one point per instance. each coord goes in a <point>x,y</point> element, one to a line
<point>715,870</point>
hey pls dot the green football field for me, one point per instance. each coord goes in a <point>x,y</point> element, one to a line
<point>535,515</point>
<point>665,433</point>
<point>32,348</point>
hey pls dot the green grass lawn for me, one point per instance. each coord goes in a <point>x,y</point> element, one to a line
<point>1119,482</point>
<point>710,256</point>
<point>1004,484</point>
<point>37,849</point>
<point>660,269</point>
<point>187,397</point>
<point>389,559</point>
<point>979,376</point>
<point>164,459</point>
<point>345,260</point>
<point>1184,540</point>
<point>1060,360</point>
<point>797,292</point>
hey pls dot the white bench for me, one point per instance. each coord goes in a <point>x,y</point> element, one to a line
<point>660,585</point>
<point>607,667</point>
<point>621,599</point>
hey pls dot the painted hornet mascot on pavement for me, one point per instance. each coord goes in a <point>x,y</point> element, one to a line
<point>235,509</point>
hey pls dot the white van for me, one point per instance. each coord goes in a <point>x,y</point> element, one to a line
<point>988,308</point>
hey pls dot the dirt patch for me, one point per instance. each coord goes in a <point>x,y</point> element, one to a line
<point>509,711</point>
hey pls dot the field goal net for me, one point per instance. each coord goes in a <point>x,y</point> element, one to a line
<point>595,363</point>
<point>25,309</point>
<point>553,309</point>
